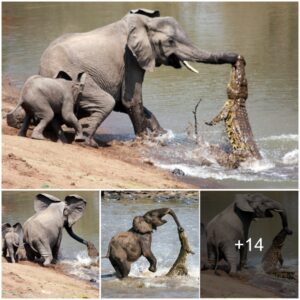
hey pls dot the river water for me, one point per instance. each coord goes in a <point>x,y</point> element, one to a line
<point>18,207</point>
<point>117,216</point>
<point>265,33</point>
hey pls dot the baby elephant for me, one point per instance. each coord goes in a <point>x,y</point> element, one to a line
<point>49,99</point>
<point>12,241</point>
<point>127,247</point>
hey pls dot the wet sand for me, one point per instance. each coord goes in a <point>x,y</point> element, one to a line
<point>29,280</point>
<point>257,286</point>
<point>30,163</point>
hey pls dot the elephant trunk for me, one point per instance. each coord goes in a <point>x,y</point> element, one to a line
<point>192,53</point>
<point>171,212</point>
<point>75,236</point>
<point>282,212</point>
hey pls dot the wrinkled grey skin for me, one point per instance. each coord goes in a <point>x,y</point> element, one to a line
<point>127,247</point>
<point>50,99</point>
<point>43,231</point>
<point>12,240</point>
<point>232,225</point>
<point>115,57</point>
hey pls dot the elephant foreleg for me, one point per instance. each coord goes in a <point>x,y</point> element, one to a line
<point>231,255</point>
<point>146,250</point>
<point>55,249</point>
<point>152,122</point>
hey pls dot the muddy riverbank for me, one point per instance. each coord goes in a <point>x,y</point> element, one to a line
<point>29,280</point>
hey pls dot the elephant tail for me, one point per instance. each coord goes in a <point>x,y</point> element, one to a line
<point>18,105</point>
<point>108,252</point>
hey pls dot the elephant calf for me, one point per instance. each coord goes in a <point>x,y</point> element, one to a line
<point>12,242</point>
<point>127,247</point>
<point>50,100</point>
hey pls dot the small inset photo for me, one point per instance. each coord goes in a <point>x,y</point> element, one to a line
<point>249,244</point>
<point>150,244</point>
<point>50,243</point>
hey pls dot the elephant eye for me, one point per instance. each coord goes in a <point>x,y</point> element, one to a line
<point>171,42</point>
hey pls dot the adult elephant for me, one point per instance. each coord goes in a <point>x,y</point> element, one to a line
<point>232,225</point>
<point>115,57</point>
<point>127,247</point>
<point>43,231</point>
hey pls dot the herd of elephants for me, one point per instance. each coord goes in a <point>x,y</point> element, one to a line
<point>88,75</point>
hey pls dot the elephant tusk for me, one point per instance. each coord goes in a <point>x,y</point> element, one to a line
<point>189,67</point>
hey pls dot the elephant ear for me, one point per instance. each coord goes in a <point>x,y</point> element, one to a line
<point>5,228</point>
<point>241,202</point>
<point>63,75</point>
<point>139,44</point>
<point>146,12</point>
<point>74,208</point>
<point>19,230</point>
<point>42,201</point>
<point>141,226</point>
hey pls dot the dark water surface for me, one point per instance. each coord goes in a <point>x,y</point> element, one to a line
<point>265,33</point>
<point>18,207</point>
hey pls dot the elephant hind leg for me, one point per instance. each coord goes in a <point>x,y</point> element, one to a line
<point>122,267</point>
<point>46,117</point>
<point>25,125</point>
<point>29,252</point>
<point>98,104</point>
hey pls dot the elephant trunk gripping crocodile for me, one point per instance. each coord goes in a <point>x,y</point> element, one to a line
<point>235,115</point>
<point>179,267</point>
<point>273,256</point>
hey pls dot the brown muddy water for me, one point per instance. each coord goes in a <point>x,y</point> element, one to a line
<point>117,216</point>
<point>18,207</point>
<point>265,33</point>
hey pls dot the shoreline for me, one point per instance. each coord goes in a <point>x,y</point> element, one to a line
<point>30,280</point>
<point>29,163</point>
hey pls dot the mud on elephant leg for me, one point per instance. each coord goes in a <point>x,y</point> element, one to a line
<point>143,119</point>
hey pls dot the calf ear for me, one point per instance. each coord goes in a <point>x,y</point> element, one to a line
<point>42,201</point>
<point>5,228</point>
<point>241,202</point>
<point>75,206</point>
<point>63,75</point>
<point>19,230</point>
<point>146,12</point>
<point>140,225</point>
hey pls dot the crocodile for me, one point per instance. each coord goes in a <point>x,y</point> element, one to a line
<point>179,267</point>
<point>273,256</point>
<point>235,115</point>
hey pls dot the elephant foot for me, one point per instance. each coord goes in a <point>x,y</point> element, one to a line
<point>79,138</point>
<point>38,136</point>
<point>152,269</point>
<point>91,142</point>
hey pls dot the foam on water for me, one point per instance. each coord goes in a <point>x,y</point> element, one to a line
<point>279,163</point>
<point>82,267</point>
<point>291,158</point>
